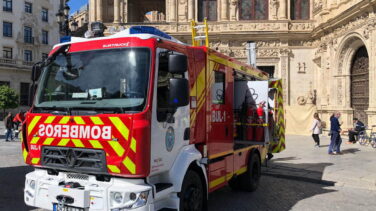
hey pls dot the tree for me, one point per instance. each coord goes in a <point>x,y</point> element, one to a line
<point>8,98</point>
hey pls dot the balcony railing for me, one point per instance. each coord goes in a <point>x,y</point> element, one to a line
<point>7,61</point>
<point>28,39</point>
<point>7,9</point>
<point>26,63</point>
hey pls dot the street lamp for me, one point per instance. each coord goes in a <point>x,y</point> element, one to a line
<point>63,19</point>
<point>74,25</point>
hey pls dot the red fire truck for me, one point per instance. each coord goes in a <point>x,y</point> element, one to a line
<point>140,121</point>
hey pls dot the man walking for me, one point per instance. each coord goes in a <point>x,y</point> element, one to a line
<point>358,127</point>
<point>335,129</point>
<point>8,122</point>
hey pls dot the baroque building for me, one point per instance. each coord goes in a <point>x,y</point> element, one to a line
<point>29,30</point>
<point>324,50</point>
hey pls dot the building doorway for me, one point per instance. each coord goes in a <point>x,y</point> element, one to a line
<point>360,84</point>
<point>269,69</point>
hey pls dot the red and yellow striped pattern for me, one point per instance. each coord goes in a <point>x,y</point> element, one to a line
<point>278,146</point>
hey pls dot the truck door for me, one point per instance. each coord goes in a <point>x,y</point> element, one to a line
<point>220,130</point>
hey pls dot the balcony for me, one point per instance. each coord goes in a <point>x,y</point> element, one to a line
<point>7,9</point>
<point>26,63</point>
<point>29,40</point>
<point>7,61</point>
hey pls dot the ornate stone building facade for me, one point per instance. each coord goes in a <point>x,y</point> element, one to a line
<point>324,50</point>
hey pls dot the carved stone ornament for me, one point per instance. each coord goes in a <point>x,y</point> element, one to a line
<point>274,5</point>
<point>301,100</point>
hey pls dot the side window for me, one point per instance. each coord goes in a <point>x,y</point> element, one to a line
<point>218,88</point>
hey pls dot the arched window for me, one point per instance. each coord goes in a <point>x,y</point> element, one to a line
<point>207,9</point>
<point>299,9</point>
<point>253,9</point>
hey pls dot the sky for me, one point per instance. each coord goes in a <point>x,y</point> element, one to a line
<point>76,5</point>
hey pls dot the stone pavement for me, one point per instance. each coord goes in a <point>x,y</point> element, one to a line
<point>301,160</point>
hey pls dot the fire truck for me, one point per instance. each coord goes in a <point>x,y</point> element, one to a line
<point>141,121</point>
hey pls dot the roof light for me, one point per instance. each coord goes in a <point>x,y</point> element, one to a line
<point>148,30</point>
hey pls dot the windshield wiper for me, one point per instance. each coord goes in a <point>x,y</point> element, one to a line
<point>52,110</point>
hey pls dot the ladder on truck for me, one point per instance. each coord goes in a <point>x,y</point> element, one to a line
<point>200,33</point>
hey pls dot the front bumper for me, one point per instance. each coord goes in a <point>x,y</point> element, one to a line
<point>42,190</point>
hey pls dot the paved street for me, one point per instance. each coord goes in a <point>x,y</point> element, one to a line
<point>300,178</point>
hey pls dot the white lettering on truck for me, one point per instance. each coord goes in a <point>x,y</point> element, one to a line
<point>75,131</point>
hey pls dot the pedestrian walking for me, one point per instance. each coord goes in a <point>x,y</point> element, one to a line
<point>8,122</point>
<point>358,127</point>
<point>316,129</point>
<point>18,120</point>
<point>335,130</point>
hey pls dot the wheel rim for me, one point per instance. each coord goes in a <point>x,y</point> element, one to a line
<point>192,198</point>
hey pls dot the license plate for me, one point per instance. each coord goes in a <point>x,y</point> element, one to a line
<point>67,208</point>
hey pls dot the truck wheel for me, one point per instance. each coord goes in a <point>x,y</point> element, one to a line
<point>192,193</point>
<point>251,178</point>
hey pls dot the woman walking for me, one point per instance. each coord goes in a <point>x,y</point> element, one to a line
<point>316,129</point>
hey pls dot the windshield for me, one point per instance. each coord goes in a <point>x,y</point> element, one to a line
<point>116,78</point>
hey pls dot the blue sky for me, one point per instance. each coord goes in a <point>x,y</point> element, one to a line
<point>76,4</point>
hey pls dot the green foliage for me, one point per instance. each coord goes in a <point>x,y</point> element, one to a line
<point>8,98</point>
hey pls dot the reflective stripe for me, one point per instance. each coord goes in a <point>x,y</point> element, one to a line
<point>117,147</point>
<point>34,140</point>
<point>96,144</point>
<point>35,160</point>
<point>241,170</point>
<point>32,124</point>
<point>96,120</point>
<point>113,168</point>
<point>79,120</point>
<point>50,119</point>
<point>24,153</point>
<point>130,165</point>
<point>48,141</point>
<point>217,182</point>
<point>123,130</point>
<point>63,142</point>
<point>64,120</point>
<point>78,143</point>
<point>133,145</point>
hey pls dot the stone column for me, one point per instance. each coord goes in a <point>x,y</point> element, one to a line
<point>99,11</point>
<point>93,11</point>
<point>116,11</point>
<point>173,11</point>
<point>191,10</point>
<point>282,10</point>
<point>233,9</point>
<point>224,10</point>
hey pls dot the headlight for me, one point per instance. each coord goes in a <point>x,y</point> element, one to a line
<point>142,199</point>
<point>32,184</point>
<point>135,200</point>
<point>117,197</point>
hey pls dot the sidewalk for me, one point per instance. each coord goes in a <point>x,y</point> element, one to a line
<point>302,161</point>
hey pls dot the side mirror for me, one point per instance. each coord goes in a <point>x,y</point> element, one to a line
<point>179,92</point>
<point>177,63</point>
<point>32,91</point>
<point>36,71</point>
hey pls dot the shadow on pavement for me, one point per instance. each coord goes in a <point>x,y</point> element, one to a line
<point>350,151</point>
<point>281,187</point>
<point>12,180</point>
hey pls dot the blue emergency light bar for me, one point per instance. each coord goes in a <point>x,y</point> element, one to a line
<point>148,30</point>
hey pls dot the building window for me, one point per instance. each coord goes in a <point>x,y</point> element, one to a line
<point>44,37</point>
<point>5,83</point>
<point>7,29</point>
<point>7,5</point>
<point>7,53</point>
<point>44,56</point>
<point>207,9</point>
<point>253,9</point>
<point>44,15</point>
<point>24,94</point>
<point>218,88</point>
<point>28,55</point>
<point>28,7</point>
<point>28,35</point>
<point>299,9</point>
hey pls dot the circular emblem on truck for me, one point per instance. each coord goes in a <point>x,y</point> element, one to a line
<point>170,139</point>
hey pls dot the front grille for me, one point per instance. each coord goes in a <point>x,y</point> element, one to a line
<point>77,176</point>
<point>78,159</point>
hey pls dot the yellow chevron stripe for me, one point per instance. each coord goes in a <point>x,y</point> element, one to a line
<point>78,143</point>
<point>124,131</point>
<point>50,119</point>
<point>217,182</point>
<point>96,144</point>
<point>35,160</point>
<point>64,120</point>
<point>79,120</point>
<point>32,124</point>
<point>48,141</point>
<point>63,142</point>
<point>96,120</point>
<point>130,165</point>
<point>133,145</point>
<point>34,140</point>
<point>117,147</point>
<point>24,154</point>
<point>113,168</point>
<point>241,170</point>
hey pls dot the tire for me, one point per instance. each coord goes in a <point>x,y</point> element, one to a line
<point>373,142</point>
<point>362,139</point>
<point>192,195</point>
<point>250,180</point>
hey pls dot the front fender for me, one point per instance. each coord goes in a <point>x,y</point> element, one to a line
<point>187,155</point>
